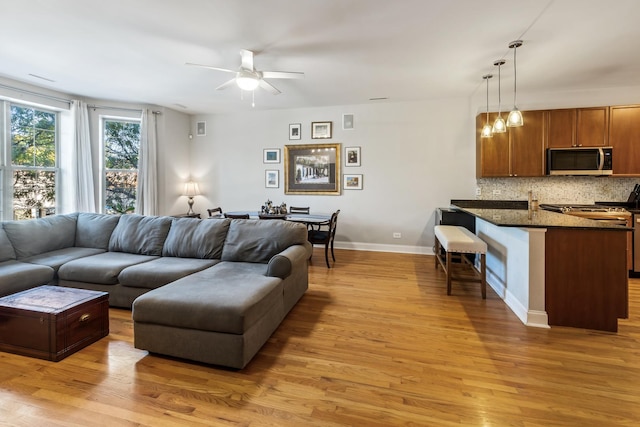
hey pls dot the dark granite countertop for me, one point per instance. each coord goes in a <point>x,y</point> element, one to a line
<point>505,217</point>
<point>490,204</point>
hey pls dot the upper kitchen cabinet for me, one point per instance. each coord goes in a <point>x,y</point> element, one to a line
<point>561,128</point>
<point>592,127</point>
<point>578,127</point>
<point>517,152</point>
<point>624,137</point>
<point>492,154</point>
<point>527,145</point>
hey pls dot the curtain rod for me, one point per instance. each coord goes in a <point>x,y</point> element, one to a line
<point>104,107</point>
<point>41,95</point>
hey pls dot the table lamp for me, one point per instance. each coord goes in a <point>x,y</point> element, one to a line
<point>191,190</point>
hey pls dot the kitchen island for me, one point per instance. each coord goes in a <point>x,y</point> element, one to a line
<point>554,269</point>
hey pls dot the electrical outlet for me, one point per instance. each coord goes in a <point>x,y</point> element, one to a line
<point>496,192</point>
<point>397,235</point>
<point>478,191</point>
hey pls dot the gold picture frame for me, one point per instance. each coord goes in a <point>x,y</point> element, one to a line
<point>312,169</point>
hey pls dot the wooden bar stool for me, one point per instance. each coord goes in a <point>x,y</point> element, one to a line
<point>457,241</point>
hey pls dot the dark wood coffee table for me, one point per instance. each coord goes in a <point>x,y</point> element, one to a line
<point>52,322</point>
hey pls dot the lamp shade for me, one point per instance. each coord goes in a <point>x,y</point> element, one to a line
<point>191,189</point>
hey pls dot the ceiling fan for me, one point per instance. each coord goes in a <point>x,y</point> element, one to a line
<point>248,78</point>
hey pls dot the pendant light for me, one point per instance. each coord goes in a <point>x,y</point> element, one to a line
<point>515,116</point>
<point>499,125</point>
<point>487,130</point>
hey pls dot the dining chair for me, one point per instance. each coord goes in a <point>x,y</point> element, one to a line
<point>215,212</point>
<point>239,216</point>
<point>325,237</point>
<point>298,210</point>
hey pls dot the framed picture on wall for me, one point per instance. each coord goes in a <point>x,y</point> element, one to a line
<point>272,178</point>
<point>201,128</point>
<point>321,130</point>
<point>271,155</point>
<point>353,182</point>
<point>295,130</point>
<point>352,155</point>
<point>312,169</point>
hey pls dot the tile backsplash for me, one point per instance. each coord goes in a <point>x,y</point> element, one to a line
<point>561,189</point>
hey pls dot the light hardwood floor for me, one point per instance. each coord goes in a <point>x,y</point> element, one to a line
<point>374,342</point>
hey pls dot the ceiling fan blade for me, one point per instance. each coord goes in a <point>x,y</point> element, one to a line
<point>210,67</point>
<point>247,59</point>
<point>282,75</point>
<point>226,84</point>
<point>269,87</point>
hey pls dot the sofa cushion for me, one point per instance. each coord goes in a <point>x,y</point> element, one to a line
<point>94,230</point>
<point>138,234</point>
<point>161,271</point>
<point>103,268</point>
<point>216,299</point>
<point>192,238</point>
<point>36,236</point>
<point>6,249</point>
<point>16,276</point>
<point>259,240</point>
<point>55,259</point>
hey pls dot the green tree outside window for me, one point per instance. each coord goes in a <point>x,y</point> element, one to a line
<point>121,148</point>
<point>33,158</point>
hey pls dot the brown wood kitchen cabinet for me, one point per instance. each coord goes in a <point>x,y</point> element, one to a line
<point>578,127</point>
<point>624,137</point>
<point>517,152</point>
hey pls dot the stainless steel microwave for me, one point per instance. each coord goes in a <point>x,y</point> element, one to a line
<point>580,161</point>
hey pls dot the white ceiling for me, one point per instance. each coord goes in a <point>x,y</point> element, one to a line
<point>349,50</point>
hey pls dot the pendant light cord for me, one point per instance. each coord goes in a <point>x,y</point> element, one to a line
<point>499,91</point>
<point>487,79</point>
<point>515,75</point>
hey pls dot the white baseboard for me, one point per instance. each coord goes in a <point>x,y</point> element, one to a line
<point>538,319</point>
<point>375,247</point>
<point>533,318</point>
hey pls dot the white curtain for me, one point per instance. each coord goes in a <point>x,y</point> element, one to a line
<point>147,197</point>
<point>84,198</point>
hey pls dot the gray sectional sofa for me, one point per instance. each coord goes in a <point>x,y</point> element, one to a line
<point>209,290</point>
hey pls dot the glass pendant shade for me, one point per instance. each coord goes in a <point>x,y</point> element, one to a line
<point>499,126</point>
<point>515,118</point>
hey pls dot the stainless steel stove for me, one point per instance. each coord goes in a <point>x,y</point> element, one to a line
<point>614,214</point>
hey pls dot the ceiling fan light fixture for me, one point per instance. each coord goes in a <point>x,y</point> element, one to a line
<point>515,116</point>
<point>247,81</point>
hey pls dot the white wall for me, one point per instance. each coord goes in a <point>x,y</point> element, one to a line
<point>415,157</point>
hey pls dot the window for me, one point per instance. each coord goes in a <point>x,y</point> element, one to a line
<point>34,164</point>
<point>121,142</point>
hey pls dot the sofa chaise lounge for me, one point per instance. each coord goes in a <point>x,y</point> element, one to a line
<point>209,290</point>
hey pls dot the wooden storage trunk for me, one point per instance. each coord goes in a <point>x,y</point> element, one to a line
<point>52,322</point>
